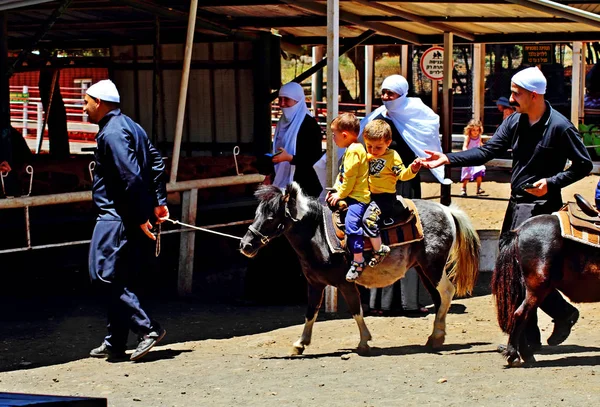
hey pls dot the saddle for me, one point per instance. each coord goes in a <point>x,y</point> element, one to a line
<point>403,230</point>
<point>580,221</point>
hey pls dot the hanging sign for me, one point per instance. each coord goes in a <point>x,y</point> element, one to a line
<point>534,54</point>
<point>432,63</point>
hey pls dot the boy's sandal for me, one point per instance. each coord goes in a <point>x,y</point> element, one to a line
<point>378,256</point>
<point>355,270</point>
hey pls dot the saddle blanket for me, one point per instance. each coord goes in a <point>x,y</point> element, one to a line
<point>393,235</point>
<point>577,233</point>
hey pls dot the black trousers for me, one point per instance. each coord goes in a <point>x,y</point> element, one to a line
<point>554,305</point>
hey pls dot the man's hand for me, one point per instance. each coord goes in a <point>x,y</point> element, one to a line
<point>434,160</point>
<point>5,167</point>
<point>541,188</point>
<point>162,213</point>
<point>146,228</point>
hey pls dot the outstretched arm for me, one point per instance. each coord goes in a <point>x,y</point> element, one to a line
<point>434,160</point>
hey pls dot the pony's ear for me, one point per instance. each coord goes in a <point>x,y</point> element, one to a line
<point>293,190</point>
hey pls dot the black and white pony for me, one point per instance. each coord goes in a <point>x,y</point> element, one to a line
<point>448,251</point>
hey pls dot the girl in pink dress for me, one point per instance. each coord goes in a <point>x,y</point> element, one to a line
<point>473,132</point>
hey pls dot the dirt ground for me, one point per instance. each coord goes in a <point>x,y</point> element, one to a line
<point>218,355</point>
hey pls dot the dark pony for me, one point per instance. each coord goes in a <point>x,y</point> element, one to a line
<point>448,251</point>
<point>533,262</point>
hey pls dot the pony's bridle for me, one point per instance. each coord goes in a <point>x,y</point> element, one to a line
<point>265,239</point>
<point>278,230</point>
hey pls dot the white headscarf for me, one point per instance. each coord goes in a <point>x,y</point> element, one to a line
<point>287,131</point>
<point>418,125</point>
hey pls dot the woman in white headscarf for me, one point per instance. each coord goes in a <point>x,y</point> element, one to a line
<point>297,144</point>
<point>415,128</point>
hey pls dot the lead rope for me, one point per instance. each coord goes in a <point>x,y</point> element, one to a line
<point>157,250</point>
<point>176,222</point>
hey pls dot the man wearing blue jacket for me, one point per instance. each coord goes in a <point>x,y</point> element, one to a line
<point>129,191</point>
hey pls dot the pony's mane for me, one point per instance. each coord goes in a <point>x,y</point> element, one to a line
<point>271,196</point>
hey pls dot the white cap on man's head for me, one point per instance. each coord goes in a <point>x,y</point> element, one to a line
<point>531,79</point>
<point>104,90</point>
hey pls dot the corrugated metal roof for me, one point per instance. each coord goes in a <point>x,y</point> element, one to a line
<point>104,22</point>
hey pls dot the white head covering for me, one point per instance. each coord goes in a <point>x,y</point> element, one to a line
<point>531,79</point>
<point>287,131</point>
<point>418,125</point>
<point>104,90</point>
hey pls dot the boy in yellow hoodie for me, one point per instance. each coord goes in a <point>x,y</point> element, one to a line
<point>385,169</point>
<point>352,186</point>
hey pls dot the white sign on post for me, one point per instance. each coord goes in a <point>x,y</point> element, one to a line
<point>432,63</point>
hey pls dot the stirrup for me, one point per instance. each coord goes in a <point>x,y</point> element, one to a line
<point>379,255</point>
<point>354,271</point>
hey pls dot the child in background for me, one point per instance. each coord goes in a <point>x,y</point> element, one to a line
<point>385,168</point>
<point>473,132</point>
<point>352,186</point>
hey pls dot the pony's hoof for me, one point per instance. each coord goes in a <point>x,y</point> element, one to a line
<point>435,343</point>
<point>363,350</point>
<point>297,350</point>
<point>514,363</point>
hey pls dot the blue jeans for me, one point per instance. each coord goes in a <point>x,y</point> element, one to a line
<point>354,225</point>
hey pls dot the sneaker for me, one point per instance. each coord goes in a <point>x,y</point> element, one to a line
<point>480,191</point>
<point>562,329</point>
<point>378,256</point>
<point>354,271</point>
<point>463,192</point>
<point>105,351</point>
<point>147,342</point>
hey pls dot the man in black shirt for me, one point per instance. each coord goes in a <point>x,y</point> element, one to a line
<point>542,140</point>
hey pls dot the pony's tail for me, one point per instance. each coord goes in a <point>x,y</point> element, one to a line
<point>463,261</point>
<point>507,283</point>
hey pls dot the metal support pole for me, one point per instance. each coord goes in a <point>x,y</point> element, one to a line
<point>185,75</point>
<point>333,56</point>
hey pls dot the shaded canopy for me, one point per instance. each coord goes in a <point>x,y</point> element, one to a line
<point>101,23</point>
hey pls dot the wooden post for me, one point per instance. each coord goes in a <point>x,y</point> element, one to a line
<point>185,75</point>
<point>478,81</point>
<point>5,151</point>
<point>447,111</point>
<point>369,71</point>
<point>333,55</point>
<point>576,83</point>
<point>187,243</point>
<point>316,85</point>
<point>404,62</point>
